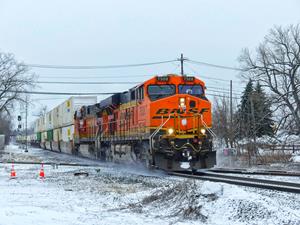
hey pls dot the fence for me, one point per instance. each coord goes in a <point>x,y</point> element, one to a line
<point>293,148</point>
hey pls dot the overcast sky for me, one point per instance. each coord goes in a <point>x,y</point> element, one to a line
<point>96,32</point>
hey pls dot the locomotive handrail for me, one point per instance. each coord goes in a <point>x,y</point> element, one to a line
<point>207,128</point>
<point>156,131</point>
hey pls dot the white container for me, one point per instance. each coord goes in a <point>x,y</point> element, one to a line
<point>72,104</point>
<point>43,124</point>
<point>57,116</point>
<point>63,115</point>
<point>57,134</point>
<point>44,136</point>
<point>68,133</point>
<point>48,121</point>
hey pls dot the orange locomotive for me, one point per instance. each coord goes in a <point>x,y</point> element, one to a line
<point>164,122</point>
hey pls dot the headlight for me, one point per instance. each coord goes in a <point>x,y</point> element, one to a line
<point>182,102</point>
<point>202,131</point>
<point>170,131</point>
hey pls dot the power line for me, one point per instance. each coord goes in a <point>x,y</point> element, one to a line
<point>214,89</point>
<point>48,66</point>
<point>222,96</point>
<point>45,99</point>
<point>225,92</point>
<point>43,66</point>
<point>219,88</point>
<point>215,65</point>
<point>71,82</point>
<point>101,93</point>
<point>60,93</point>
<point>71,76</point>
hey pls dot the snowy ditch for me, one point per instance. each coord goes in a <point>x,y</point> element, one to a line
<point>113,194</point>
<point>107,196</point>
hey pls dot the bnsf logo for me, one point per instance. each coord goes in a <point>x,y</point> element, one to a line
<point>164,111</point>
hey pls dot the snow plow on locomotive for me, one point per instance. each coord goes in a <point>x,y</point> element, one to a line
<point>164,122</point>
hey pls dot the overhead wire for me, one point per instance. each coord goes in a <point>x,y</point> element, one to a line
<point>61,93</point>
<point>44,66</point>
<point>212,89</point>
<point>90,77</point>
<point>71,82</point>
<point>49,66</point>
<point>214,65</point>
<point>87,93</point>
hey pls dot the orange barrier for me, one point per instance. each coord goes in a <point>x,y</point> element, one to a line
<point>42,172</point>
<point>13,172</point>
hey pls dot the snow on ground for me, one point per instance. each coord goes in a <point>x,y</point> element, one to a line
<point>296,158</point>
<point>116,194</point>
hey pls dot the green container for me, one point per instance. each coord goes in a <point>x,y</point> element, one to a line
<point>38,136</point>
<point>50,135</point>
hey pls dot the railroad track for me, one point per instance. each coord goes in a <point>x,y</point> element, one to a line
<point>243,181</point>
<point>49,163</point>
<point>257,172</point>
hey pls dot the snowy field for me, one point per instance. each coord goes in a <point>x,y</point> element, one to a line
<point>119,194</point>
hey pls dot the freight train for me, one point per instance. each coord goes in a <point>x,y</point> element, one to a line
<point>164,122</point>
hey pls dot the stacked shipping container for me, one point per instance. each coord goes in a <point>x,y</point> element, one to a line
<point>55,129</point>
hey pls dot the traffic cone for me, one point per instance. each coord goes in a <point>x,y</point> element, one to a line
<point>13,172</point>
<point>42,173</point>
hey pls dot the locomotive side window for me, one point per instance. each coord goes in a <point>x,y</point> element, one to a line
<point>156,92</point>
<point>132,95</point>
<point>195,90</point>
<point>140,93</point>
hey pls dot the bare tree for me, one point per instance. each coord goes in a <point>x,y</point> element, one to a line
<point>221,120</point>
<point>276,66</point>
<point>5,127</point>
<point>14,79</point>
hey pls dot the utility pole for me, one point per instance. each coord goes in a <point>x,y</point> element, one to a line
<point>26,130</point>
<point>181,64</point>
<point>231,116</point>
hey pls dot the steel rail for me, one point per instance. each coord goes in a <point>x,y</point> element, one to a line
<point>243,181</point>
<point>256,172</point>
<point>49,163</point>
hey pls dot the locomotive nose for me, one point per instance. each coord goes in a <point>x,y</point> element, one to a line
<point>187,102</point>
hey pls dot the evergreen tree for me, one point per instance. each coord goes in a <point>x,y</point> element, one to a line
<point>244,112</point>
<point>263,113</point>
<point>254,113</point>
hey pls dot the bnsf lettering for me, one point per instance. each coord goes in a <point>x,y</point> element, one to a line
<point>162,111</point>
<point>193,110</point>
<point>203,110</point>
<point>171,111</point>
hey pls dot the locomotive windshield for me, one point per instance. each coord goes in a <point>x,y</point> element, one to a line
<point>195,90</point>
<point>160,91</point>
